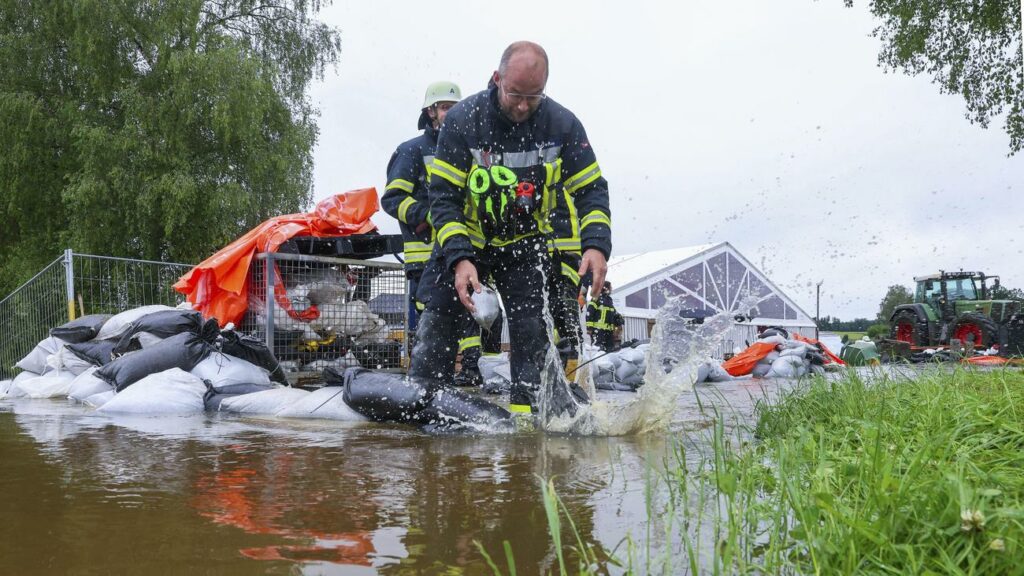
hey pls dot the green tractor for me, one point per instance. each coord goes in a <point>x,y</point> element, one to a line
<point>957,306</point>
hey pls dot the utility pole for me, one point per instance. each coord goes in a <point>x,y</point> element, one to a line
<point>817,302</point>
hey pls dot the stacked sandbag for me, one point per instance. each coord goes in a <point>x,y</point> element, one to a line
<point>777,355</point>
<point>496,373</point>
<point>171,391</point>
<point>182,351</point>
<point>621,370</point>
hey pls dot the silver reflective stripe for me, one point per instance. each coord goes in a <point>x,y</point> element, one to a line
<point>517,159</point>
<point>428,160</point>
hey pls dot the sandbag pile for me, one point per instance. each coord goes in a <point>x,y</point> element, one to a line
<point>777,355</point>
<point>97,358</point>
<point>620,370</point>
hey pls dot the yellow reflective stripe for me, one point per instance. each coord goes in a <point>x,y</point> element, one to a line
<point>420,306</point>
<point>450,173</point>
<point>583,177</point>
<point>416,252</point>
<point>519,408</point>
<point>399,184</point>
<point>573,215</point>
<point>566,244</point>
<point>403,209</point>
<point>451,229</point>
<point>570,273</point>
<point>469,343</point>
<point>476,237</point>
<point>595,217</point>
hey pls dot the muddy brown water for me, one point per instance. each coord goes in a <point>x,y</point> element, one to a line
<point>82,493</point>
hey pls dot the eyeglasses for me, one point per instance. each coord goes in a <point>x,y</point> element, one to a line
<point>515,96</point>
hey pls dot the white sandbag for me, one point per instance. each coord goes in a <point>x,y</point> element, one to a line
<point>14,390</point>
<point>787,367</point>
<point>798,351</point>
<point>327,403</point>
<point>817,370</point>
<point>86,384</point>
<point>376,335</point>
<point>49,385</point>
<point>118,324</point>
<point>146,340</point>
<point>702,373</point>
<point>761,370</point>
<point>772,356</point>
<point>65,360</point>
<point>266,403</point>
<point>35,361</point>
<point>495,366</point>
<point>172,391</point>
<point>631,355</point>
<point>5,385</point>
<point>348,319</point>
<point>626,371</point>
<point>486,307</point>
<point>222,370</point>
<point>99,399</point>
<point>718,374</point>
<point>775,339</point>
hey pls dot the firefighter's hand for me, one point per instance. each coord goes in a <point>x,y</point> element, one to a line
<point>465,280</point>
<point>595,263</point>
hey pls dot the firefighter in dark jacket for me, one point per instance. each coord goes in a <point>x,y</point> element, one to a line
<point>405,199</point>
<point>503,157</point>
<point>603,319</point>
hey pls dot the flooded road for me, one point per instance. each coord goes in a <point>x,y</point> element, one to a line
<point>86,493</point>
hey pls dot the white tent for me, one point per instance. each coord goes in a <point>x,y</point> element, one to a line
<point>710,278</point>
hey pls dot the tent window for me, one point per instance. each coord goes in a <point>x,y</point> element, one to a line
<point>773,307</point>
<point>638,299</point>
<point>692,278</point>
<point>662,291</point>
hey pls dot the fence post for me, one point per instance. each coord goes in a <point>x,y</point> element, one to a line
<point>268,298</point>
<point>69,280</point>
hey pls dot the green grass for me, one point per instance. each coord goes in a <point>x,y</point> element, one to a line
<point>853,336</point>
<point>921,476</point>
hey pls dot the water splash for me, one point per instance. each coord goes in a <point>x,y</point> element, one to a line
<point>678,348</point>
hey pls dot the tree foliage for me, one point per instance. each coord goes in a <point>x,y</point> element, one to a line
<point>970,47</point>
<point>1003,293</point>
<point>894,296</point>
<point>158,129</point>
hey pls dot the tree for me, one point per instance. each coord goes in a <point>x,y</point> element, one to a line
<point>152,129</point>
<point>971,48</point>
<point>1004,293</point>
<point>894,296</point>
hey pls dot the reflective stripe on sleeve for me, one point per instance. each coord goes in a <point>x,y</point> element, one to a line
<point>469,343</point>
<point>595,217</point>
<point>403,209</point>
<point>583,177</point>
<point>451,229</point>
<point>400,184</point>
<point>449,173</point>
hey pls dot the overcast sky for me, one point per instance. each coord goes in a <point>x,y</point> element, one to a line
<point>765,124</point>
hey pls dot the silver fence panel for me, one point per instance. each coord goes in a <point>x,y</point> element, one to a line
<point>27,314</point>
<point>328,312</point>
<point>75,285</point>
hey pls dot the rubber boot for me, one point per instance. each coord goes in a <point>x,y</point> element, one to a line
<point>469,377</point>
<point>433,355</point>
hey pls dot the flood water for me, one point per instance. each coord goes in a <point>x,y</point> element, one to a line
<point>86,493</point>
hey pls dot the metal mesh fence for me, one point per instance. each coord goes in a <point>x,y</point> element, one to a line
<point>73,286</point>
<point>105,285</point>
<point>328,312</point>
<point>27,315</point>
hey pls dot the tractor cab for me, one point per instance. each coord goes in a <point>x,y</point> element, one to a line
<point>954,306</point>
<point>952,293</point>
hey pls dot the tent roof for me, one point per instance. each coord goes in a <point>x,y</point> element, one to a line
<point>630,268</point>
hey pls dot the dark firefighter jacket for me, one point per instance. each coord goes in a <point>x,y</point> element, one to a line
<point>483,160</point>
<point>405,196</point>
<point>601,314</point>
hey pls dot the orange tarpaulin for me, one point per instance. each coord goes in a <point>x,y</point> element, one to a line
<point>744,362</point>
<point>829,356</point>
<point>219,286</point>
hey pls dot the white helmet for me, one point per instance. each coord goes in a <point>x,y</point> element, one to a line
<point>437,92</point>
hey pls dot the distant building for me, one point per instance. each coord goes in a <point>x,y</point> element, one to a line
<point>710,279</point>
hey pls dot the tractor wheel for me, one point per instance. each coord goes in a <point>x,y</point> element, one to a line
<point>905,329</point>
<point>974,327</point>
